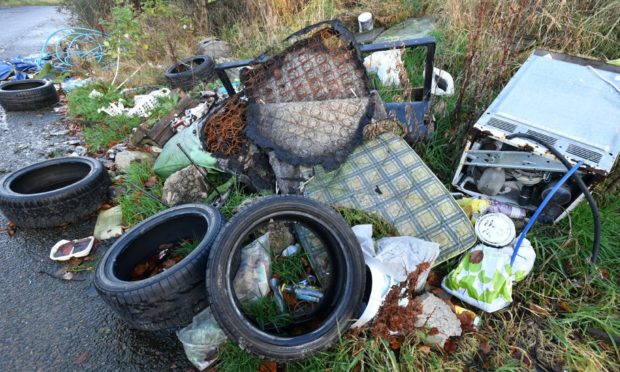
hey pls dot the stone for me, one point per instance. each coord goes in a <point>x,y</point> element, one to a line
<point>185,186</point>
<point>124,159</point>
<point>280,236</point>
<point>80,151</point>
<point>214,48</point>
<point>436,315</point>
<point>109,224</point>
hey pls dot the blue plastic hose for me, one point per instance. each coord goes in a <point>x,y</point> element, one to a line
<point>542,206</point>
<point>71,41</point>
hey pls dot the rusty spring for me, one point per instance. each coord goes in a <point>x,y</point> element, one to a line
<point>223,131</point>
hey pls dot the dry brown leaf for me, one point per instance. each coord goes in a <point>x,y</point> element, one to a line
<point>268,366</point>
<point>425,349</point>
<point>82,358</point>
<point>538,309</point>
<point>485,347</point>
<point>476,257</point>
<point>565,307</point>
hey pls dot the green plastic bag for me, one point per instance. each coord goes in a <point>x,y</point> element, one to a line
<point>172,159</point>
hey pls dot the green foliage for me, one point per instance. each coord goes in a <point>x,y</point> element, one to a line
<point>102,135</point>
<point>123,33</point>
<point>231,358</point>
<point>186,247</point>
<point>290,269</point>
<point>265,313</point>
<point>165,106</point>
<point>135,203</point>
<point>82,106</point>
<point>147,34</point>
<point>380,227</point>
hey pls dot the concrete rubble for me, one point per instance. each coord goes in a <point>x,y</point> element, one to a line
<point>437,316</point>
<point>124,159</point>
<point>185,186</point>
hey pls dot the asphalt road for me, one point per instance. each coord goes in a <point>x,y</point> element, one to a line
<point>23,29</point>
<point>47,323</point>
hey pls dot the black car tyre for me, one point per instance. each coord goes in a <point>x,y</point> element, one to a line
<point>54,192</point>
<point>171,298</point>
<point>23,95</point>
<point>342,298</point>
<point>190,71</point>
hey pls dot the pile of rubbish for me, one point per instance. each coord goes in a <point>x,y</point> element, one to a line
<point>288,273</point>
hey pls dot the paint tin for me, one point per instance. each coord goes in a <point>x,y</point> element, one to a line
<point>496,230</point>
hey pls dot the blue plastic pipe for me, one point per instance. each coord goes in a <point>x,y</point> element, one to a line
<point>540,209</point>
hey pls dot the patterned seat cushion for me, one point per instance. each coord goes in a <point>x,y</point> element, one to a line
<point>385,176</point>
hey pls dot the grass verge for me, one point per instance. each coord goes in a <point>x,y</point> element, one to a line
<point>142,196</point>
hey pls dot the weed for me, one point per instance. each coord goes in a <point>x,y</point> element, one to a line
<point>165,106</point>
<point>137,205</point>
<point>265,313</point>
<point>186,247</point>
<point>102,135</point>
<point>238,195</point>
<point>380,227</point>
<point>84,266</point>
<point>231,358</point>
<point>83,105</point>
<point>290,269</point>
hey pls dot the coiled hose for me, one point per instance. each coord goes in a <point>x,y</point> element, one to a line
<point>68,42</point>
<point>582,186</point>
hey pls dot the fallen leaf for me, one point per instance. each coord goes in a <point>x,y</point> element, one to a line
<point>425,349</point>
<point>538,309</point>
<point>605,274</point>
<point>476,257</point>
<point>395,343</point>
<point>434,280</point>
<point>151,181</point>
<point>450,346</point>
<point>268,366</point>
<point>565,307</point>
<point>82,358</point>
<point>485,347</point>
<point>11,229</point>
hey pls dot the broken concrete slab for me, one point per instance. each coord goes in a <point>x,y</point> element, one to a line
<point>185,186</point>
<point>124,159</point>
<point>109,224</point>
<point>437,317</point>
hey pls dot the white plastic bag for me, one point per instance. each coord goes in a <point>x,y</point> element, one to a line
<point>484,276</point>
<point>252,278</point>
<point>401,255</point>
<point>387,65</point>
<point>201,339</point>
<point>394,259</point>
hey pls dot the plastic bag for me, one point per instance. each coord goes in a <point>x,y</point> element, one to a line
<point>387,65</point>
<point>394,258</point>
<point>484,276</point>
<point>172,158</point>
<point>201,339</point>
<point>401,255</point>
<point>252,278</point>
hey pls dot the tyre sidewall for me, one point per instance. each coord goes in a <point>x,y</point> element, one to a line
<point>229,316</point>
